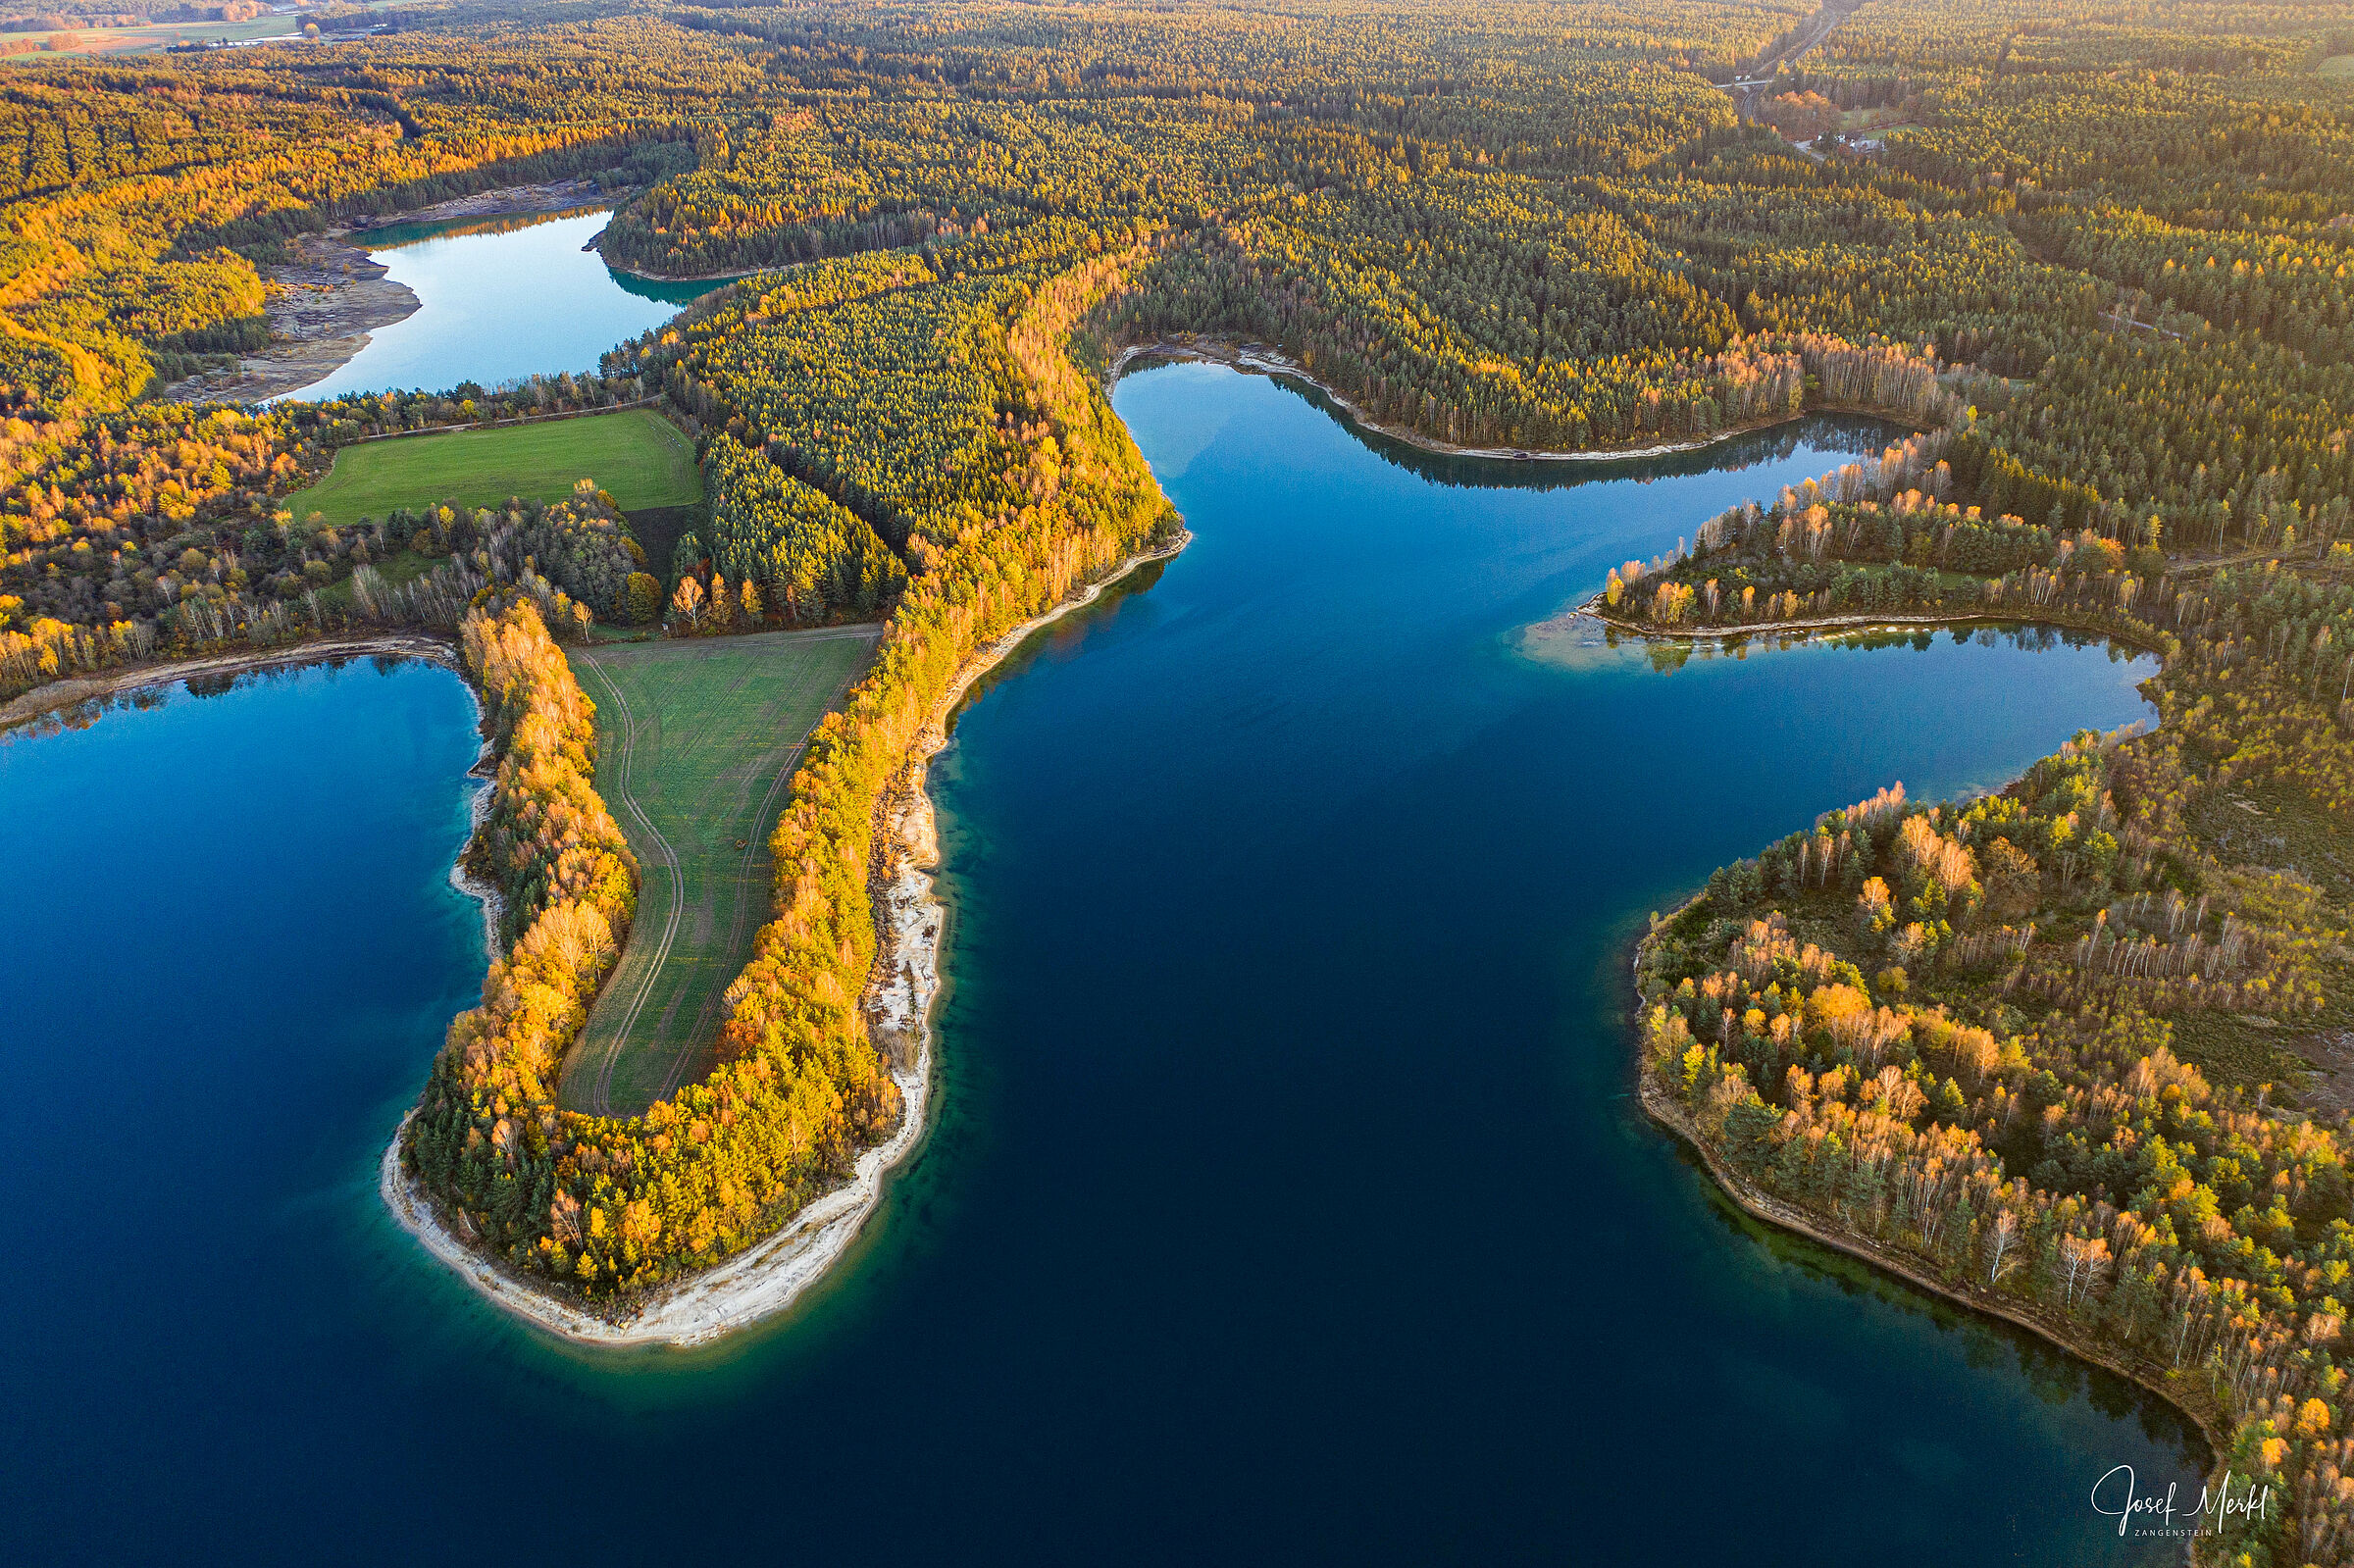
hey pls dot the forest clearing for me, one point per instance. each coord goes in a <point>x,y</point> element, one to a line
<point>635,455</point>
<point>696,740</point>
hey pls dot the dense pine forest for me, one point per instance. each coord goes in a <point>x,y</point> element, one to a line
<point>2065,1046</point>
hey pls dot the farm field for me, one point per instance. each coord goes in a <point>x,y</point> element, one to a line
<point>695,742</point>
<point>68,43</point>
<point>642,459</point>
<point>148,37</point>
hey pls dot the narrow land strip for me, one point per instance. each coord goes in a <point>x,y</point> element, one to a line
<point>1810,625</point>
<point>904,982</point>
<point>697,740</point>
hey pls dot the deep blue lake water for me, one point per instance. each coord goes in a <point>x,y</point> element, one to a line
<point>1287,1201</point>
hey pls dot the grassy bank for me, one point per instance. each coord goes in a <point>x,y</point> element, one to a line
<point>697,739</point>
<point>637,456</point>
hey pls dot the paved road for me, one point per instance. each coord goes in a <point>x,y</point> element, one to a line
<point>1748,90</point>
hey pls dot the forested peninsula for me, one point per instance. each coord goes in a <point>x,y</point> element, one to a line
<point>2069,1049</point>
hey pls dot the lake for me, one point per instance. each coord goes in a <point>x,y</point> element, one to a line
<point>1287,1198</point>
<point>500,299</point>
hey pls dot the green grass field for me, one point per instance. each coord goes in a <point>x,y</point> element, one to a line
<point>696,740</point>
<point>638,456</point>
<point>2337,65</point>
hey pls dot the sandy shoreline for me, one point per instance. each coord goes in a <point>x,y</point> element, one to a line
<point>492,902</point>
<point>1271,362</point>
<point>769,1276</point>
<point>325,303</point>
<point>73,691</point>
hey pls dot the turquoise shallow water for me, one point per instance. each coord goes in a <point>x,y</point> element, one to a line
<point>1286,1202</point>
<point>493,307</point>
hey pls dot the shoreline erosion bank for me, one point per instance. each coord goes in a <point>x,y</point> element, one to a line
<point>769,1276</point>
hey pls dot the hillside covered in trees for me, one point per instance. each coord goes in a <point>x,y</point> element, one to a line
<point>2058,1043</point>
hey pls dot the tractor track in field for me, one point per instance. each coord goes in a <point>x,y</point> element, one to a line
<point>786,765</point>
<point>601,1095</point>
<point>598,1099</point>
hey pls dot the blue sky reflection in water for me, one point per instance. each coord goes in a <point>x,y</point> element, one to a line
<point>500,299</point>
<point>1287,1201</point>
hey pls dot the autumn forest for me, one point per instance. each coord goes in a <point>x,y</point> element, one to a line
<point>2056,1049</point>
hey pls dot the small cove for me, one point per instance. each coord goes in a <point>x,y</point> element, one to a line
<point>1287,1199</point>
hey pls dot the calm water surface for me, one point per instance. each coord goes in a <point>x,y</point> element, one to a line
<point>493,306</point>
<point>1287,1201</point>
